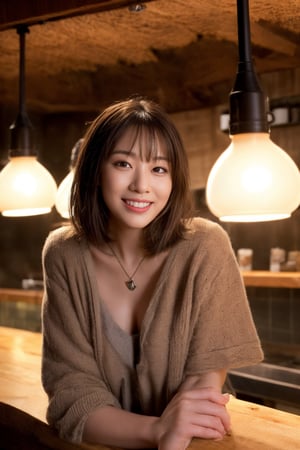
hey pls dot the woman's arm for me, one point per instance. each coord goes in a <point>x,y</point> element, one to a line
<point>120,428</point>
<point>197,410</point>
<point>215,379</point>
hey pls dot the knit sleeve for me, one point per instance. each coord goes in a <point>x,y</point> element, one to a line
<point>70,374</point>
<point>224,334</point>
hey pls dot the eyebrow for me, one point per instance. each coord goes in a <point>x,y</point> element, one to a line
<point>131,153</point>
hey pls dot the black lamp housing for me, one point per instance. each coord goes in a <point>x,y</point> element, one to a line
<point>248,106</point>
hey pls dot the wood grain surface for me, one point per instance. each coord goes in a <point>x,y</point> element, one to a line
<point>254,427</point>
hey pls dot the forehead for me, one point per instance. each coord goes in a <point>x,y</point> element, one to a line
<point>147,142</point>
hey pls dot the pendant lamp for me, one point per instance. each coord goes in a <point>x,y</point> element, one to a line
<point>253,180</point>
<point>62,202</point>
<point>26,187</point>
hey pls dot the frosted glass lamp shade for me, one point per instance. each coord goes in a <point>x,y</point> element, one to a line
<point>26,188</point>
<point>62,202</point>
<point>253,180</point>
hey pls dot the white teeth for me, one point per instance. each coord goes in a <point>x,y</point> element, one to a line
<point>137,204</point>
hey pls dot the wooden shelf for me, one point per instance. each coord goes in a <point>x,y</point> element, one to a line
<point>254,278</point>
<point>265,278</point>
<point>21,295</point>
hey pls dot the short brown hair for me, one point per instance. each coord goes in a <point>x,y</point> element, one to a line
<point>89,213</point>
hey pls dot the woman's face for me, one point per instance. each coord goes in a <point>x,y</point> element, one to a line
<point>135,189</point>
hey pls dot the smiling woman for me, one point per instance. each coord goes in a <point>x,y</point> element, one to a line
<point>150,135</point>
<point>144,308</point>
<point>135,186</point>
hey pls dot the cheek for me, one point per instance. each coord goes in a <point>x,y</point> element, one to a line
<point>110,182</point>
<point>169,186</point>
<point>166,190</point>
<point>106,188</point>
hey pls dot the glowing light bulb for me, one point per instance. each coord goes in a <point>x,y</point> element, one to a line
<point>26,188</point>
<point>253,180</point>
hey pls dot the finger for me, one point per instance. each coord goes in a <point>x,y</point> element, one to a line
<point>204,408</point>
<point>203,432</point>
<point>207,421</point>
<point>226,397</point>
<point>221,413</point>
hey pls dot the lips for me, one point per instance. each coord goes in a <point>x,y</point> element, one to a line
<point>137,205</point>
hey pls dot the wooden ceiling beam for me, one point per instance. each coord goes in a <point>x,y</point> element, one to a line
<point>270,40</point>
<point>31,12</point>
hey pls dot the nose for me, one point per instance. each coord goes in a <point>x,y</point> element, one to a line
<point>140,181</point>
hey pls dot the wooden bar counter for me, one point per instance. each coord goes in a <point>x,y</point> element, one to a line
<point>254,427</point>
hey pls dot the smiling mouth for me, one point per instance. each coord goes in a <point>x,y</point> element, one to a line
<point>136,204</point>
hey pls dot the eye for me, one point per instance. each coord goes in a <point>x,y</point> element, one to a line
<point>122,164</point>
<point>160,170</point>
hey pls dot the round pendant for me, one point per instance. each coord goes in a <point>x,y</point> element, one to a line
<point>131,285</point>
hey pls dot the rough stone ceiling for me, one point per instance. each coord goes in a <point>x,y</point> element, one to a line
<point>182,53</point>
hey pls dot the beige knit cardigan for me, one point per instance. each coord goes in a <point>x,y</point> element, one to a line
<point>198,320</point>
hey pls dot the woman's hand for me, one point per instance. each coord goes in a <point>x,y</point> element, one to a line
<point>193,413</point>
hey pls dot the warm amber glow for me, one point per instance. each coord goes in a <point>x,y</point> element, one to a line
<point>63,195</point>
<point>253,180</point>
<point>256,179</point>
<point>26,188</point>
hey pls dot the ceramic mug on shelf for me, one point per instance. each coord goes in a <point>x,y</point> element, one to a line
<point>244,257</point>
<point>277,257</point>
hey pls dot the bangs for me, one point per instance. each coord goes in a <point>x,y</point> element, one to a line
<point>154,139</point>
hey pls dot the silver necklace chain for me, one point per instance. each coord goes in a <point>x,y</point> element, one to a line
<point>130,284</point>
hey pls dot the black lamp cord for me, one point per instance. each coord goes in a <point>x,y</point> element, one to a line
<point>21,135</point>
<point>22,30</point>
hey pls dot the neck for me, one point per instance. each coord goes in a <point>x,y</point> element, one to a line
<point>128,245</point>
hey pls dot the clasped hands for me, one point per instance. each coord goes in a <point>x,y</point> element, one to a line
<point>199,412</point>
